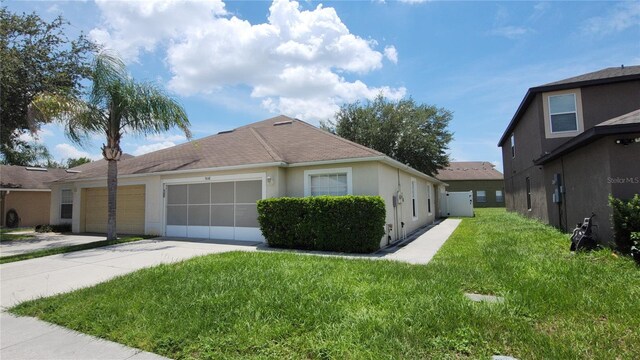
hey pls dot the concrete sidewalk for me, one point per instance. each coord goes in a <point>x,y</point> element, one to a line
<point>29,338</point>
<point>425,247</point>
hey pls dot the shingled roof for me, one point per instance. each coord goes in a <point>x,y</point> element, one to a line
<point>28,178</point>
<point>604,76</point>
<point>469,170</point>
<point>279,140</point>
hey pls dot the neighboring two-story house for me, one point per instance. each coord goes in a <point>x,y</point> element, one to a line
<point>481,177</point>
<point>570,144</point>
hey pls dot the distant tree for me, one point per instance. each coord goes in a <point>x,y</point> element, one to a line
<point>414,134</point>
<point>116,105</point>
<point>35,57</point>
<point>27,154</point>
<point>71,163</point>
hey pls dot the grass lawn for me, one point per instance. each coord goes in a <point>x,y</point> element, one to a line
<point>6,234</point>
<point>274,305</point>
<point>70,248</point>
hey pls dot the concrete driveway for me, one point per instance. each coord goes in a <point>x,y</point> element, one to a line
<point>46,276</point>
<point>44,241</point>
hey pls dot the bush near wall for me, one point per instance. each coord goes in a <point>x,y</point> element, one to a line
<point>61,228</point>
<point>329,223</point>
<point>626,220</point>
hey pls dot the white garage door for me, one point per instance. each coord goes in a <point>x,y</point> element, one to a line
<point>219,210</point>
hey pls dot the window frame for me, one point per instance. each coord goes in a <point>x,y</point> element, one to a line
<point>328,171</point>
<point>575,112</point>
<point>414,199</point>
<point>484,197</point>
<point>513,145</point>
<point>501,198</point>
<point>62,202</point>
<point>429,197</point>
<point>577,97</point>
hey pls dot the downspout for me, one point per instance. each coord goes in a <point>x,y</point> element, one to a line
<point>3,195</point>
<point>563,192</point>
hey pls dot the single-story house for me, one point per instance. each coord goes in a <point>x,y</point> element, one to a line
<point>480,177</point>
<point>208,188</point>
<point>24,192</point>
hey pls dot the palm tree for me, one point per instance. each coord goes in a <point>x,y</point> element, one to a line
<point>116,104</point>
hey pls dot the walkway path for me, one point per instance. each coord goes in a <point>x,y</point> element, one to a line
<point>425,247</point>
<point>44,241</point>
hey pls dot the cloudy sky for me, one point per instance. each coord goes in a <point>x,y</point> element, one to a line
<point>235,62</point>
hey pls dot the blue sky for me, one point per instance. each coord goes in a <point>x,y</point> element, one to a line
<point>233,63</point>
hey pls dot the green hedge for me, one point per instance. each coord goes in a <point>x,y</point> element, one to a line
<point>61,228</point>
<point>626,220</point>
<point>330,223</point>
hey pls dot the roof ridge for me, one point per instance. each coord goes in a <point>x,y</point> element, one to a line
<point>272,152</point>
<point>376,152</point>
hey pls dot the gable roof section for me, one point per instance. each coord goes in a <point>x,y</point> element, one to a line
<point>277,141</point>
<point>625,124</point>
<point>469,170</point>
<point>28,178</point>
<point>604,76</point>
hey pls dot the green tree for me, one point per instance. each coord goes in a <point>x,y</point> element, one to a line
<point>414,134</point>
<point>36,57</point>
<point>71,163</point>
<point>26,153</point>
<point>116,105</point>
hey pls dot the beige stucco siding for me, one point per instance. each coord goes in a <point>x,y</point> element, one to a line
<point>364,175</point>
<point>32,206</point>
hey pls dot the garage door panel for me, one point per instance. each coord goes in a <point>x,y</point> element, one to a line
<point>218,210</point>
<point>247,216</point>
<point>130,204</point>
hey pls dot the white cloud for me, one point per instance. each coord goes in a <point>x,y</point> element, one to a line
<point>391,53</point>
<point>295,63</point>
<point>620,18</point>
<point>68,151</point>
<point>143,149</point>
<point>510,32</point>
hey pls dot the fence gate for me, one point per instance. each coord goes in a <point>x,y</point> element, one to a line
<point>460,204</point>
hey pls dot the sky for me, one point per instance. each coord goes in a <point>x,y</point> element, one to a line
<point>230,63</point>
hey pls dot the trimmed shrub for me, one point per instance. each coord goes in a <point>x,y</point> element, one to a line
<point>330,223</point>
<point>626,220</point>
<point>61,228</point>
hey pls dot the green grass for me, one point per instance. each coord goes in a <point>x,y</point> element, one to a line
<point>67,249</point>
<point>274,305</point>
<point>6,234</point>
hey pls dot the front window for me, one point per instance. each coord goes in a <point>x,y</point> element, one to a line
<point>66,204</point>
<point>481,196</point>
<point>562,113</point>
<point>329,184</point>
<point>499,196</point>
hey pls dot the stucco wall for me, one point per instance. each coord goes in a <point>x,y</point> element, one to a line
<point>364,175</point>
<point>32,206</point>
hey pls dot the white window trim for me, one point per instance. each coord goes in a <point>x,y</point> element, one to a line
<point>501,199</point>
<point>414,199</point>
<point>547,114</point>
<point>308,173</point>
<point>430,199</point>
<point>63,203</point>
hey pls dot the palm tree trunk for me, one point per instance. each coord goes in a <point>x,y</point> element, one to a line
<point>112,189</point>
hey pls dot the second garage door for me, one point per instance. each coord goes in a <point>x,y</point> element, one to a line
<point>218,210</point>
<point>130,209</point>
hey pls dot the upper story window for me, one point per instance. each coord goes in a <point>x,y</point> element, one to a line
<point>513,145</point>
<point>66,204</point>
<point>563,113</point>
<point>327,182</point>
